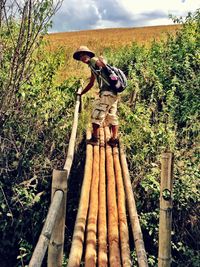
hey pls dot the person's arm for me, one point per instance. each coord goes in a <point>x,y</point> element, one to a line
<point>90,84</point>
<point>101,62</point>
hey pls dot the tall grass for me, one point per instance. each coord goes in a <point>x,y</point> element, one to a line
<point>102,41</point>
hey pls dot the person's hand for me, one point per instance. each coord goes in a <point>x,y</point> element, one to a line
<point>79,92</point>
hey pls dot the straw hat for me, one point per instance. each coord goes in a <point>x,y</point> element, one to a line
<point>85,50</point>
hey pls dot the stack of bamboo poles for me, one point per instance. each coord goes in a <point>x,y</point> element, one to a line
<point>101,219</point>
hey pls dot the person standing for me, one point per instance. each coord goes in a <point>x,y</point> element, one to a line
<point>105,108</point>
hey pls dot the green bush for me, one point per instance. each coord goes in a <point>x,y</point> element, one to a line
<point>164,79</point>
<point>34,140</point>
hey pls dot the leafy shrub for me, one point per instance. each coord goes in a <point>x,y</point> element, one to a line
<point>165,81</point>
<point>159,112</point>
<point>33,141</point>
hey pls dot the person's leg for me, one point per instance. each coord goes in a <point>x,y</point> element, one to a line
<point>94,140</point>
<point>114,129</point>
<point>112,119</point>
<point>98,116</point>
<point>95,130</point>
<point>101,108</point>
<point>114,140</point>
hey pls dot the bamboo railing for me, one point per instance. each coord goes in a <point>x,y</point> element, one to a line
<point>52,235</point>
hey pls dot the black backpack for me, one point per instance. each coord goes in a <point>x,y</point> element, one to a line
<point>117,79</point>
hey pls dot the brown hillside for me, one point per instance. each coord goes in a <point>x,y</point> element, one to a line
<point>102,39</point>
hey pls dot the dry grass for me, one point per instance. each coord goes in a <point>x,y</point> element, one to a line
<point>101,40</point>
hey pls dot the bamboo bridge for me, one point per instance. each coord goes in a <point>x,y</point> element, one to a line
<point>101,232</point>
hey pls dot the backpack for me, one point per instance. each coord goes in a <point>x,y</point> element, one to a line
<point>117,79</point>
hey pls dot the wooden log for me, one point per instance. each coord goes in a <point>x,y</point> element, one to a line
<point>113,231</point>
<point>135,225</point>
<point>70,153</point>
<point>55,254</point>
<point>55,251</point>
<point>123,226</point>
<point>102,221</point>
<point>80,224</point>
<point>44,239</point>
<point>165,220</point>
<point>90,254</point>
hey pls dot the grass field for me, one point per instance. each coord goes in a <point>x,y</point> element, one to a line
<point>102,40</point>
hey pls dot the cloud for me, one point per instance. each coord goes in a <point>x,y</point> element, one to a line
<point>92,14</point>
<point>89,14</point>
<point>75,15</point>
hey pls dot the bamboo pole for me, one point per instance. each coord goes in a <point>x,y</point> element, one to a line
<point>102,221</point>
<point>55,251</point>
<point>70,153</point>
<point>123,226</point>
<point>165,221</point>
<point>41,247</point>
<point>135,225</point>
<point>79,229</point>
<point>113,232</point>
<point>90,254</point>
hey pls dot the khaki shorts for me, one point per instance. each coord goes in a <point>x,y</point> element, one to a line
<point>105,109</point>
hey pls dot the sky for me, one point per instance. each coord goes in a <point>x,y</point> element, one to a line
<point>75,15</point>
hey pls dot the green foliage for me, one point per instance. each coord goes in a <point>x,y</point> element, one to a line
<point>25,251</point>
<point>33,141</point>
<point>164,79</point>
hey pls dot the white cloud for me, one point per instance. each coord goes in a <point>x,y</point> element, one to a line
<point>93,14</point>
<point>167,6</point>
<point>137,9</point>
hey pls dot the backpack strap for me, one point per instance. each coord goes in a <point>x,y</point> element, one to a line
<point>99,74</point>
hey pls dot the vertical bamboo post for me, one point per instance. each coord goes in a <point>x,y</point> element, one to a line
<point>135,224</point>
<point>102,221</point>
<point>113,231</point>
<point>123,226</point>
<point>165,221</point>
<point>90,254</point>
<point>55,251</point>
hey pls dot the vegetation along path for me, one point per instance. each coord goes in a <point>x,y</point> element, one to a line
<point>158,112</point>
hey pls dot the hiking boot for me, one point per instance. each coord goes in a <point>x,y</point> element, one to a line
<point>113,142</point>
<point>93,141</point>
